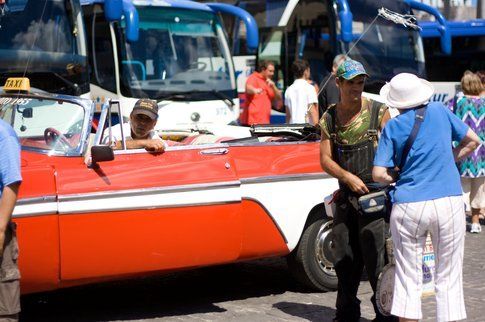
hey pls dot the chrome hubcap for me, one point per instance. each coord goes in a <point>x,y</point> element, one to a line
<point>323,249</point>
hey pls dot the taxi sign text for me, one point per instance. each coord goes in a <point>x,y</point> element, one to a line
<point>17,84</point>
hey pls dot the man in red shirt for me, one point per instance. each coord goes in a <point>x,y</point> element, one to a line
<point>261,91</point>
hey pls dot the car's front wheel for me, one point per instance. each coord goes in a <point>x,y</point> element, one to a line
<point>311,262</point>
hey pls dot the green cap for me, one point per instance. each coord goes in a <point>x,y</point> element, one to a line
<point>348,69</point>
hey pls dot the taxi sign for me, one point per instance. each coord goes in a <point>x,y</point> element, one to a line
<point>17,84</point>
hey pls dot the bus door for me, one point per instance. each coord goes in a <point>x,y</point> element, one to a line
<point>279,46</point>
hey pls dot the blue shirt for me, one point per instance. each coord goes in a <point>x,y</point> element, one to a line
<point>430,171</point>
<point>9,156</point>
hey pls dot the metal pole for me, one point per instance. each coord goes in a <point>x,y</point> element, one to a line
<point>480,9</point>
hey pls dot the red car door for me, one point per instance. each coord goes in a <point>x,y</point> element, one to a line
<point>147,212</point>
<point>37,227</point>
<point>284,182</point>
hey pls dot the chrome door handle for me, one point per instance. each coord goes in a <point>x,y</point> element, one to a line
<point>219,151</point>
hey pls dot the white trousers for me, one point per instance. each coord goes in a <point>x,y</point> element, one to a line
<point>444,218</point>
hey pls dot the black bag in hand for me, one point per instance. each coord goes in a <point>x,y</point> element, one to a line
<point>374,203</point>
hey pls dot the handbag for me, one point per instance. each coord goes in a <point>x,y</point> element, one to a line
<point>374,203</point>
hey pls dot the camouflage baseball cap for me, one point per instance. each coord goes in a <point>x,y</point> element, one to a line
<point>349,69</point>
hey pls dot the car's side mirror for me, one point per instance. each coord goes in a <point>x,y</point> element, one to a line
<point>100,153</point>
<point>28,113</point>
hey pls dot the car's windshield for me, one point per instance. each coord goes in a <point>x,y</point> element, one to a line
<point>178,51</point>
<point>42,39</point>
<point>44,124</point>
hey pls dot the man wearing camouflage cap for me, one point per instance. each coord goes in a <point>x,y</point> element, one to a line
<point>349,137</point>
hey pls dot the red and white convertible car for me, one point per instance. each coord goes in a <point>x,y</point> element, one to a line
<point>87,214</point>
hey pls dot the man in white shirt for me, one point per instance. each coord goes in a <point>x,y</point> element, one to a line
<point>301,98</point>
<point>140,133</point>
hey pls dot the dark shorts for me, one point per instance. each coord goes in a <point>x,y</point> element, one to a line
<point>10,275</point>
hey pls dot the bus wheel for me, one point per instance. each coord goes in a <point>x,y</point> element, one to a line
<point>311,262</point>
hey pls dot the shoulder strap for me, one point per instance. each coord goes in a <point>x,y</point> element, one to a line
<point>374,120</point>
<point>418,120</point>
<point>330,120</point>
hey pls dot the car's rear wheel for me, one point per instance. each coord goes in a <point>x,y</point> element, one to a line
<point>311,262</point>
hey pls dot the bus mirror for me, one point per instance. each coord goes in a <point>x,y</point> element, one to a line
<point>113,9</point>
<point>346,18</point>
<point>131,21</point>
<point>441,24</point>
<point>252,34</point>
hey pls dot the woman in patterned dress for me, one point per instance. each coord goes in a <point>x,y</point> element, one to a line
<point>470,108</point>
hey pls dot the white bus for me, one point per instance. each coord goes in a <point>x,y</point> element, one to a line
<point>172,51</point>
<point>452,47</point>
<point>318,30</point>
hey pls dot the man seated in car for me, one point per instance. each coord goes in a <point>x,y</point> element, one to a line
<point>139,132</point>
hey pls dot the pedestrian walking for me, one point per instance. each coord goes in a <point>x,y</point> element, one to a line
<point>470,108</point>
<point>300,98</point>
<point>261,91</point>
<point>427,195</point>
<point>349,137</point>
<point>10,179</point>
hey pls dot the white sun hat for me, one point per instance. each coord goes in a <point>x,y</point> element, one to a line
<point>406,91</point>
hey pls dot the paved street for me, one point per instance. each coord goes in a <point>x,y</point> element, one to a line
<point>255,291</point>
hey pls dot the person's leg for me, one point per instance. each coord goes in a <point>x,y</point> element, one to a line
<point>9,278</point>
<point>475,215</point>
<point>373,244</point>
<point>477,201</point>
<point>348,262</point>
<point>409,222</point>
<point>373,233</point>
<point>448,235</point>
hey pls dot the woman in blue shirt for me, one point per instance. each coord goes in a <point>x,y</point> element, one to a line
<point>426,197</point>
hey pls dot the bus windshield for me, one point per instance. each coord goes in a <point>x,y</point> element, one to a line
<point>179,51</point>
<point>42,39</point>
<point>313,32</point>
<point>387,48</point>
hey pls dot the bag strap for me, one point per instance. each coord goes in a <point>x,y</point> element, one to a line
<point>418,120</point>
<point>374,120</point>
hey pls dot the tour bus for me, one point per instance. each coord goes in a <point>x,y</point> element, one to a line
<point>174,52</point>
<point>45,40</point>
<point>179,57</point>
<point>458,45</point>
<point>318,30</point>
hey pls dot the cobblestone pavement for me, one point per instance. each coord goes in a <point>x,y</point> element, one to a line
<point>255,291</point>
